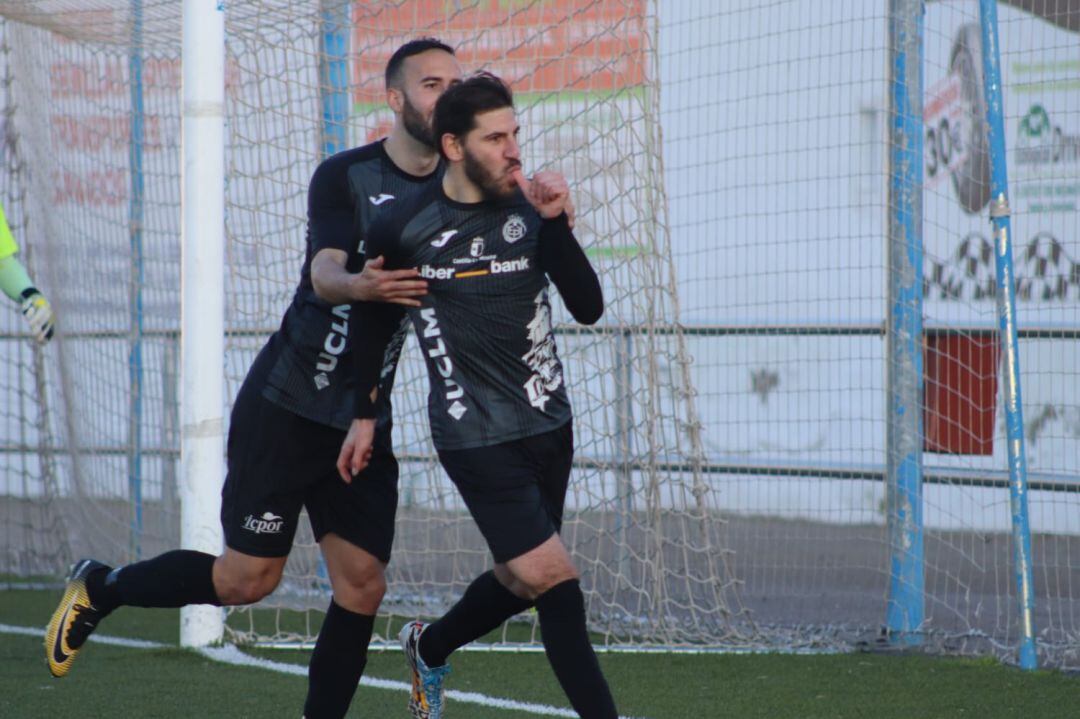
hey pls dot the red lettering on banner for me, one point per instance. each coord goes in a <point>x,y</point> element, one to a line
<point>108,76</point>
<point>95,188</point>
<point>554,46</point>
<point>94,133</point>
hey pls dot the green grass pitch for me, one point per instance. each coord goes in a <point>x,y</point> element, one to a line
<point>170,682</point>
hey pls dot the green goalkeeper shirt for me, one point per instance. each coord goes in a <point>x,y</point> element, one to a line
<point>7,240</point>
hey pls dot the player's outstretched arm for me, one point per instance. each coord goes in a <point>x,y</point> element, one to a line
<point>16,284</point>
<point>336,285</point>
<point>332,240</point>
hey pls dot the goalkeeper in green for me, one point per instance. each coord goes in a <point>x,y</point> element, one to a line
<point>17,285</point>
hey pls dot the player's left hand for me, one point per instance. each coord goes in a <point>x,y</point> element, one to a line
<point>356,450</point>
<point>39,315</point>
<point>400,287</point>
<point>547,191</point>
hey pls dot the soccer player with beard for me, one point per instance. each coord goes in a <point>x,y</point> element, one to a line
<point>487,240</point>
<point>291,415</point>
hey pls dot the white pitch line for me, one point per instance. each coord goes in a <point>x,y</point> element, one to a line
<point>230,654</point>
<point>100,638</point>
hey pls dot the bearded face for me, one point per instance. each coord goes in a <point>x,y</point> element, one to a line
<point>491,175</point>
<point>418,126</point>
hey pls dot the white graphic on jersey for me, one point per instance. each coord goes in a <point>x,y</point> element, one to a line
<point>334,344</point>
<point>268,523</point>
<point>436,273</point>
<point>443,238</point>
<point>541,358</point>
<point>518,265</point>
<point>322,381</point>
<point>514,228</point>
<point>457,409</point>
<point>476,249</point>
<point>436,350</point>
<point>383,197</point>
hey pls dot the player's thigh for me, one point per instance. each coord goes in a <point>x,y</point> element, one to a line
<point>356,575</point>
<point>270,455</point>
<point>241,578</point>
<point>503,487</point>
<point>361,512</point>
<point>543,567</point>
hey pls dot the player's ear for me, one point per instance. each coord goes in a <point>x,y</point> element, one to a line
<point>452,148</point>
<point>395,98</point>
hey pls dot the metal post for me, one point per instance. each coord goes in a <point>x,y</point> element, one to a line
<point>135,235</point>
<point>904,431</point>
<point>202,322</point>
<point>624,433</point>
<point>1014,409</point>
<point>170,419</point>
<point>334,99</point>
<point>334,75</point>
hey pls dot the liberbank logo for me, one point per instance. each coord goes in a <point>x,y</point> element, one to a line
<point>496,267</point>
<point>1040,142</point>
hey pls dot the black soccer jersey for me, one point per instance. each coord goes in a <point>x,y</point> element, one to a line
<point>311,372</point>
<point>485,325</point>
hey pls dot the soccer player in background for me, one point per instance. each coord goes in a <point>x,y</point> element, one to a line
<point>487,239</point>
<point>16,284</point>
<point>290,418</point>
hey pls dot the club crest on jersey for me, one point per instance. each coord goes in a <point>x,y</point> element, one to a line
<point>476,249</point>
<point>514,228</point>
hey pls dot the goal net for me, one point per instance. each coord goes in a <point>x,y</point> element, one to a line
<point>729,163</point>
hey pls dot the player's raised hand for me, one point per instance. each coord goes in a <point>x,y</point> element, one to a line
<point>39,315</point>
<point>356,449</point>
<point>399,287</point>
<point>547,191</point>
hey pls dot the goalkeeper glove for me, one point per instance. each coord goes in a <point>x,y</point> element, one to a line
<point>38,313</point>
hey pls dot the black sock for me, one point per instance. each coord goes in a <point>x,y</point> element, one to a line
<point>337,662</point>
<point>174,579</point>
<point>485,605</point>
<point>104,600</point>
<point>566,641</point>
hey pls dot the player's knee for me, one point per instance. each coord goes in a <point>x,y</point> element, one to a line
<point>247,587</point>
<point>361,594</point>
<point>514,585</point>
<point>537,580</point>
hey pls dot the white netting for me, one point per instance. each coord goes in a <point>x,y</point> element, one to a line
<point>730,166</point>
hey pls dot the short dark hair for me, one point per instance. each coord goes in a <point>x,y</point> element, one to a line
<point>457,108</point>
<point>413,47</point>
